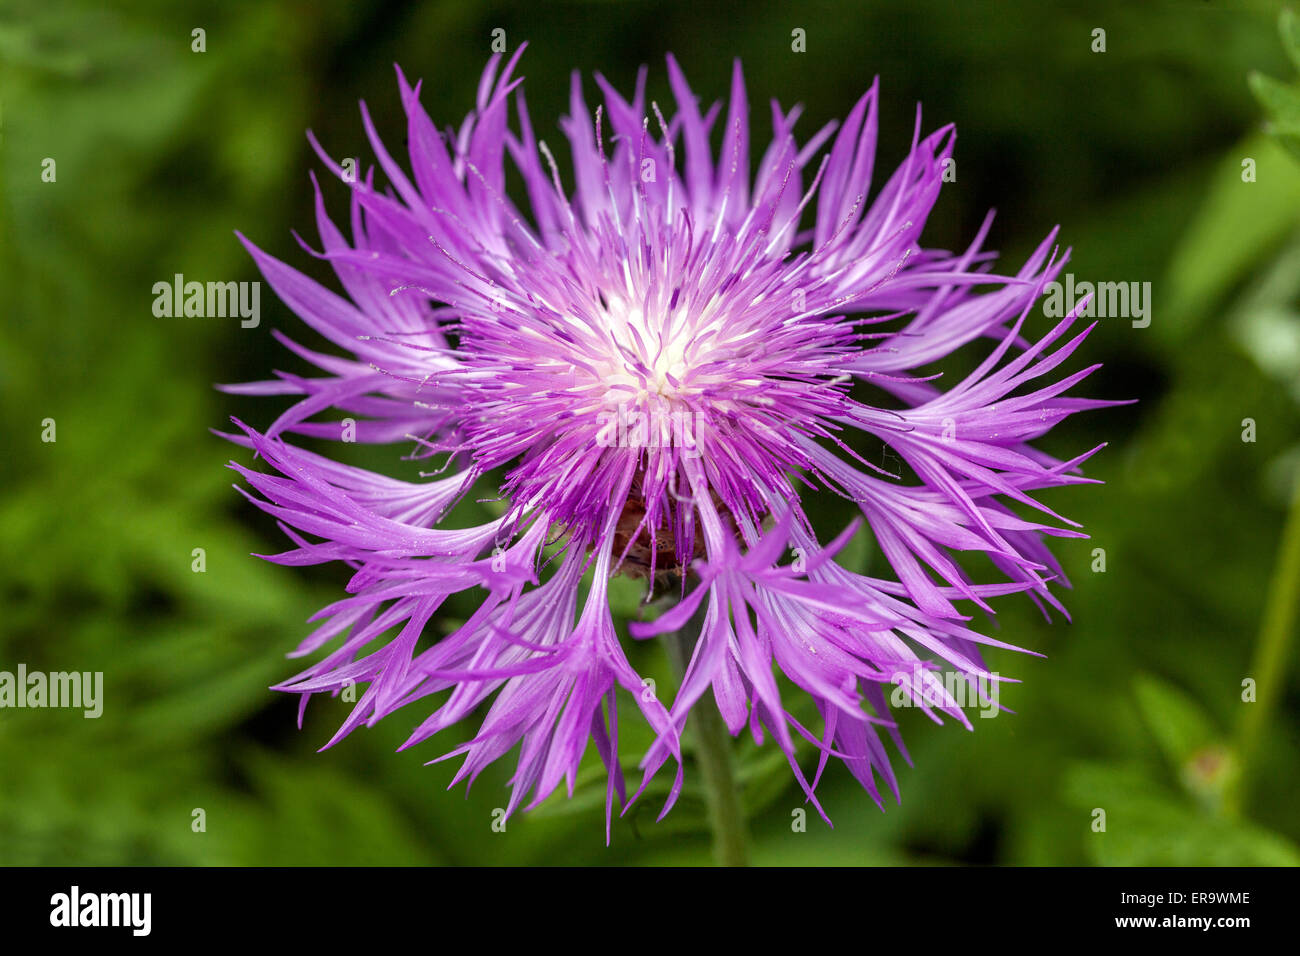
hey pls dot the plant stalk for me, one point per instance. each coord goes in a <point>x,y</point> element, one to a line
<point>1271,651</point>
<point>713,753</point>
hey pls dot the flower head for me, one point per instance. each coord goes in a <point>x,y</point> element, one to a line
<point>652,372</point>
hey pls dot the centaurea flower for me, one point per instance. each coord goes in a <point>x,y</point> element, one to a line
<point>653,372</point>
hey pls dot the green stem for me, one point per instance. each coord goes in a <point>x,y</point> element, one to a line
<point>713,754</point>
<point>1269,665</point>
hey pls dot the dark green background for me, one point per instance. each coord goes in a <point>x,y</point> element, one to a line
<point>162,152</point>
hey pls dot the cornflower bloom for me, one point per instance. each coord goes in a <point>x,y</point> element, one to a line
<point>653,373</point>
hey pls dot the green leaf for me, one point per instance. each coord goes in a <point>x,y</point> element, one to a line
<point>1280,101</point>
<point>1179,725</point>
<point>1282,104</point>
<point>1146,825</point>
<point>1238,223</point>
<point>1288,25</point>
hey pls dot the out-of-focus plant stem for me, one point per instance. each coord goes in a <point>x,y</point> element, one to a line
<point>713,754</point>
<point>1271,651</point>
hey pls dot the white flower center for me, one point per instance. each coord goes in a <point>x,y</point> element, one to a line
<point>660,347</point>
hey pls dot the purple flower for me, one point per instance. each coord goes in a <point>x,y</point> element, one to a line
<point>651,372</point>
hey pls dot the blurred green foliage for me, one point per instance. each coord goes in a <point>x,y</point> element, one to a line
<point>162,152</point>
